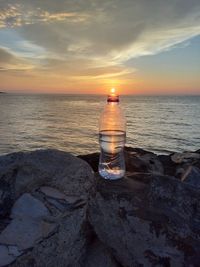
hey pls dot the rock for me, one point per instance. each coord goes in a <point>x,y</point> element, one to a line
<point>192,176</point>
<point>92,160</point>
<point>24,233</point>
<point>8,254</point>
<point>28,206</point>
<point>154,221</point>
<point>58,205</point>
<point>54,193</point>
<point>5,256</point>
<point>137,151</point>
<point>197,163</point>
<point>99,256</point>
<point>185,157</point>
<point>53,168</point>
<point>58,214</point>
<point>43,234</point>
<point>137,160</point>
<point>13,250</point>
<point>65,247</point>
<point>26,228</point>
<point>6,198</point>
<point>168,165</point>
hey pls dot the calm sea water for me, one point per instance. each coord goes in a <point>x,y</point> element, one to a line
<point>70,122</point>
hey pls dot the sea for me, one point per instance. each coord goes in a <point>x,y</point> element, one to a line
<point>161,124</point>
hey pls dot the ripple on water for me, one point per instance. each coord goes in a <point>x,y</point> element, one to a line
<point>70,123</point>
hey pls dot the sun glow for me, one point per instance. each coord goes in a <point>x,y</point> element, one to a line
<point>112,90</point>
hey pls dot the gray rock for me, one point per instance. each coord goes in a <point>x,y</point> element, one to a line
<point>13,250</point>
<point>26,228</point>
<point>185,157</point>
<point>146,220</point>
<point>57,169</point>
<point>192,176</point>
<point>28,206</point>
<point>139,160</point>
<point>99,256</point>
<point>5,257</point>
<point>153,163</point>
<point>6,198</point>
<point>62,216</point>
<point>65,247</point>
<point>25,232</point>
<point>43,234</point>
<point>168,165</point>
<point>52,192</point>
<point>56,194</point>
<point>58,205</point>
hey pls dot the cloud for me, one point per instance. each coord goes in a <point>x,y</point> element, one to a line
<point>16,15</point>
<point>116,29</point>
<point>81,69</point>
<point>9,61</point>
<point>9,15</point>
<point>95,38</point>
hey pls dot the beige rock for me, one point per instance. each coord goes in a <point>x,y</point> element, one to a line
<point>184,157</point>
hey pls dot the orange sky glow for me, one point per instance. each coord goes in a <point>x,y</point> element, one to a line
<point>144,47</point>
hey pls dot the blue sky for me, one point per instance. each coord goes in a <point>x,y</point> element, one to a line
<point>180,64</point>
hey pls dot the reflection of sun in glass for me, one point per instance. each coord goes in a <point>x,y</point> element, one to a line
<point>112,145</point>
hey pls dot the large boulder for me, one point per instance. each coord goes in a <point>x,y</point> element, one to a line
<point>148,220</point>
<point>55,212</point>
<point>44,223</point>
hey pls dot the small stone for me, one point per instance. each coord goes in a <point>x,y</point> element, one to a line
<point>63,205</point>
<point>184,157</point>
<point>52,192</point>
<point>56,194</point>
<point>28,206</point>
<point>5,257</point>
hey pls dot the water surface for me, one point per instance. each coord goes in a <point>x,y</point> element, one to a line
<point>70,122</point>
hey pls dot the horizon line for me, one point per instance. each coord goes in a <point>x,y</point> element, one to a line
<point>98,94</point>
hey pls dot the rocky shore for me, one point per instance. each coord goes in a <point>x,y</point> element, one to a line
<point>56,211</point>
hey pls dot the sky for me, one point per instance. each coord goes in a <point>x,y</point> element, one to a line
<point>89,46</point>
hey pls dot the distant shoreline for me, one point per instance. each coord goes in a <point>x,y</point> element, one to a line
<point>96,94</point>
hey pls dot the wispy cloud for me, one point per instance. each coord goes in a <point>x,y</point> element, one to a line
<point>94,39</point>
<point>9,61</point>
